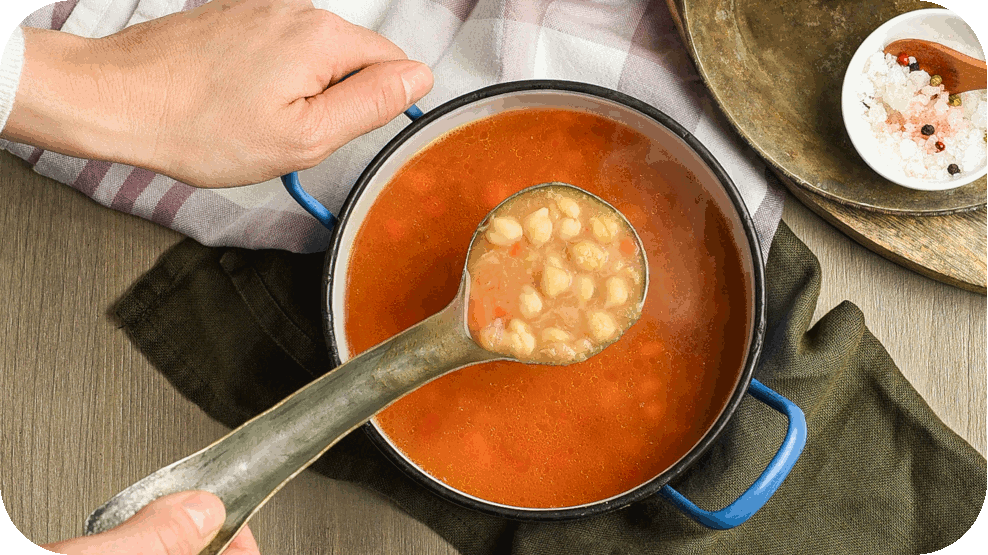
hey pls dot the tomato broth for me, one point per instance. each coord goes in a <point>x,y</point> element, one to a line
<point>554,436</point>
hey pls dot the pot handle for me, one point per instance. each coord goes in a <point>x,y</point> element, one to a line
<point>765,486</point>
<point>313,206</point>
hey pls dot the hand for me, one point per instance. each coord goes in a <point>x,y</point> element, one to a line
<point>178,524</point>
<point>233,92</point>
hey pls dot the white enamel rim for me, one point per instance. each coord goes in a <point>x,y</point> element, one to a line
<point>519,100</point>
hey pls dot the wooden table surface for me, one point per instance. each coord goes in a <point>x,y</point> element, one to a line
<point>83,415</point>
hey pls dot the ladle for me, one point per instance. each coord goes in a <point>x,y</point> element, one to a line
<point>251,463</point>
<point>960,72</point>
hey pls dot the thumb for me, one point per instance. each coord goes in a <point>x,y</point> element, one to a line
<point>369,99</point>
<point>178,524</point>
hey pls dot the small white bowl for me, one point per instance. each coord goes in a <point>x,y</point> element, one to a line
<point>942,26</point>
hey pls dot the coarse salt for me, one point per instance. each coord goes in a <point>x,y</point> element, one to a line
<point>896,103</point>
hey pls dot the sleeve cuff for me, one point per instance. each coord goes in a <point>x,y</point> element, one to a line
<point>10,73</point>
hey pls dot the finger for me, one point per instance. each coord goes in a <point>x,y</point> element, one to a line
<point>347,47</point>
<point>367,100</point>
<point>177,524</point>
<point>243,544</point>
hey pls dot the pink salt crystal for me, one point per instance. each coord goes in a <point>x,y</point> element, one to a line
<point>898,103</point>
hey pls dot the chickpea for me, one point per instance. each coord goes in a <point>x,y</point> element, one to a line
<point>569,207</point>
<point>560,352</point>
<point>529,302</point>
<point>586,278</point>
<point>520,338</point>
<point>588,256</point>
<point>554,213</point>
<point>602,326</point>
<point>634,274</point>
<point>584,287</point>
<point>555,280</point>
<point>617,292</point>
<point>555,335</point>
<point>504,231</point>
<point>569,228</point>
<point>583,346</point>
<point>538,226</point>
<point>604,229</point>
<point>491,335</point>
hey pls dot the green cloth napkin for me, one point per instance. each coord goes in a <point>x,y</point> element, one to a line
<point>236,330</point>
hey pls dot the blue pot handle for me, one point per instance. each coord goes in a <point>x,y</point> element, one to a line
<point>313,206</point>
<point>765,486</point>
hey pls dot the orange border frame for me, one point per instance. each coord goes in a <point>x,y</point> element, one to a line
<point>974,12</point>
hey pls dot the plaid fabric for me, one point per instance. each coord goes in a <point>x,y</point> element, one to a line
<point>629,46</point>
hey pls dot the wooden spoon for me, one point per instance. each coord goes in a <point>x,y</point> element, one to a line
<point>960,72</point>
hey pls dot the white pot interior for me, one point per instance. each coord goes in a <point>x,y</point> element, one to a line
<point>671,145</point>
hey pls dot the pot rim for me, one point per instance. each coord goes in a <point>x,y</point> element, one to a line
<point>650,487</point>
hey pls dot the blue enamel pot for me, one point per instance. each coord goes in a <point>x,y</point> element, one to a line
<point>488,101</point>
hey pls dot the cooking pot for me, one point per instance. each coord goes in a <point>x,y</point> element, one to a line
<point>613,105</point>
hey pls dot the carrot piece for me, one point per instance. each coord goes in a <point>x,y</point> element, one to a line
<point>628,247</point>
<point>499,312</point>
<point>515,249</point>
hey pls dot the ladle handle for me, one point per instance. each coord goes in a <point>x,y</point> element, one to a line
<point>307,201</point>
<point>247,466</point>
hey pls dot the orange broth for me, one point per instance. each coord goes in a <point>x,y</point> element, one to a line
<point>554,436</point>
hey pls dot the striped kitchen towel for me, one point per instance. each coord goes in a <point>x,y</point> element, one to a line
<point>630,46</point>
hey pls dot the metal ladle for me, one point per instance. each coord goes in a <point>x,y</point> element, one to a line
<point>251,463</point>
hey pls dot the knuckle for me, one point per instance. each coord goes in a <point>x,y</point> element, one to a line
<point>311,148</point>
<point>390,100</point>
<point>394,51</point>
<point>326,19</point>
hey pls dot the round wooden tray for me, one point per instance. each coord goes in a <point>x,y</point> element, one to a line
<point>782,100</point>
<point>949,248</point>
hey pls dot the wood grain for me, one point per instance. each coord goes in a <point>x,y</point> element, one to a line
<point>959,72</point>
<point>83,415</point>
<point>950,248</point>
<point>935,333</point>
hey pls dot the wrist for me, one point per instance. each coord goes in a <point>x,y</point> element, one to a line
<point>76,98</point>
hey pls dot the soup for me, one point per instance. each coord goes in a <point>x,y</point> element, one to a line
<point>555,276</point>
<point>554,436</point>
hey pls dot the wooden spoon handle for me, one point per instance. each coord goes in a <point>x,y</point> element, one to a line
<point>960,72</point>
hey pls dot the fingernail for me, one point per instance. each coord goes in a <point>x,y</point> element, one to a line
<point>206,511</point>
<point>418,81</point>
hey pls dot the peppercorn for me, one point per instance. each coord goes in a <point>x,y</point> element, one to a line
<point>903,59</point>
<point>954,100</point>
<point>953,169</point>
<point>940,146</point>
<point>927,130</point>
<point>914,66</point>
<point>935,81</point>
